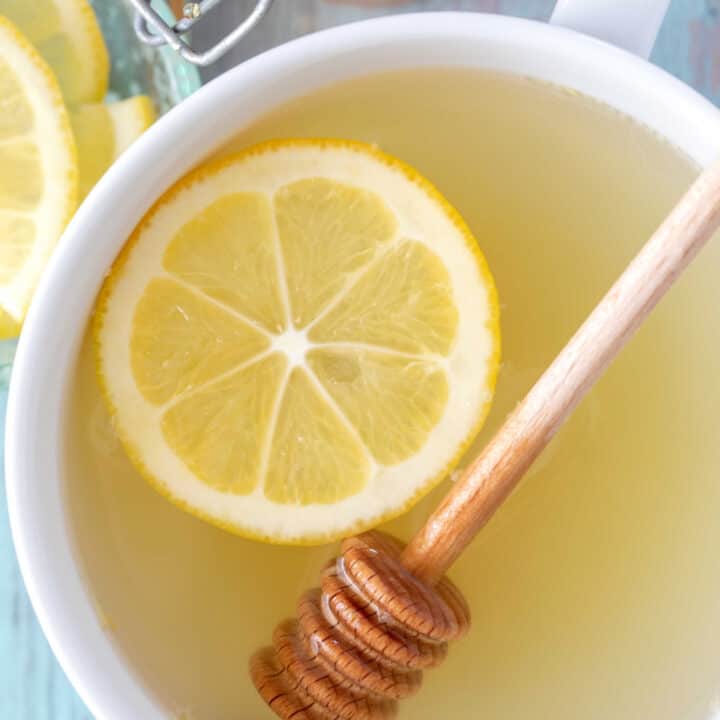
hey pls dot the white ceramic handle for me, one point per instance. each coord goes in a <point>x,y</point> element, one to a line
<point>629,24</point>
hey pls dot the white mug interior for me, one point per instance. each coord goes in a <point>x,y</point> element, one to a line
<point>192,131</point>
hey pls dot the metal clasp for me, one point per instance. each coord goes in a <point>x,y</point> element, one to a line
<point>152,29</point>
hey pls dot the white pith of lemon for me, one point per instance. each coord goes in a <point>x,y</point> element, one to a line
<point>298,341</point>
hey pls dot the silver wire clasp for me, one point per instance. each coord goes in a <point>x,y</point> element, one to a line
<point>152,29</point>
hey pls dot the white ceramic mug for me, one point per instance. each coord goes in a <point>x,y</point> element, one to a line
<point>55,326</point>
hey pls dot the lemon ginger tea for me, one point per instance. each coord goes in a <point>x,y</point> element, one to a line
<point>594,590</point>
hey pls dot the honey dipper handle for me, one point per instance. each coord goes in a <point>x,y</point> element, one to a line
<point>488,481</point>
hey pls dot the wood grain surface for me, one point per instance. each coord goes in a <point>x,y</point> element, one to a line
<point>32,686</point>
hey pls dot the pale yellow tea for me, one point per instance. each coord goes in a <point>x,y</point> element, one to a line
<point>596,589</point>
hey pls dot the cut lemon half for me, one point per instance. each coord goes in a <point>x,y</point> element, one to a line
<point>103,132</point>
<point>298,341</point>
<point>67,35</point>
<point>38,172</point>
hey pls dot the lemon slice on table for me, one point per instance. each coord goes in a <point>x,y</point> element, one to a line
<point>67,35</point>
<point>103,132</point>
<point>38,172</point>
<point>298,341</point>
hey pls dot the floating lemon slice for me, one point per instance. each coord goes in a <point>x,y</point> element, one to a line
<point>103,132</point>
<point>38,172</point>
<point>298,341</point>
<point>67,35</point>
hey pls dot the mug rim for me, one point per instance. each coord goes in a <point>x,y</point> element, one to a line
<point>48,348</point>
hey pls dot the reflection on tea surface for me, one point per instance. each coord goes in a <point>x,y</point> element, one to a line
<point>596,590</point>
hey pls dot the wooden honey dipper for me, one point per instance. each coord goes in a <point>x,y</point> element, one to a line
<point>385,612</point>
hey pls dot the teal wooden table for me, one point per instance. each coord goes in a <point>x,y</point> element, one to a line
<point>32,685</point>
